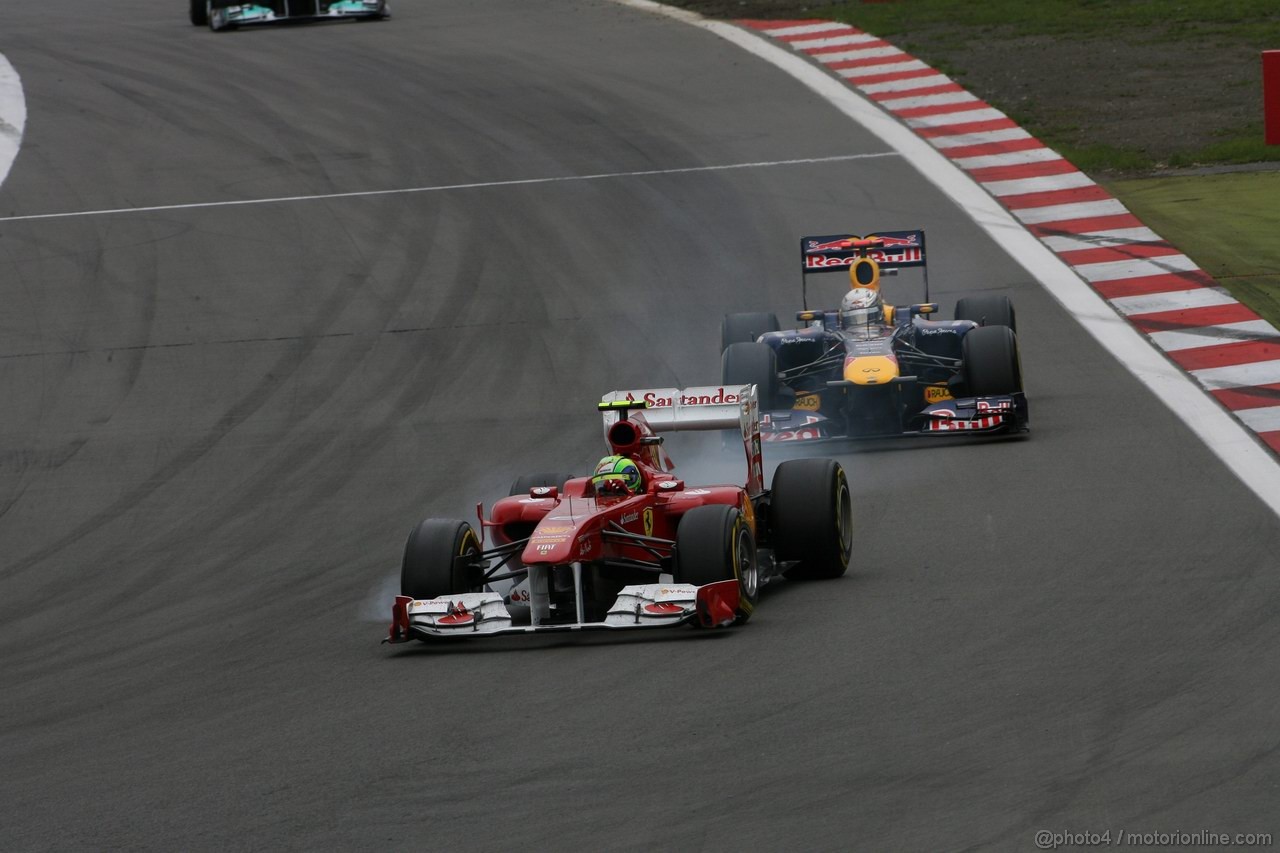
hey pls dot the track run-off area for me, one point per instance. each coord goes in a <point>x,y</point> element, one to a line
<point>272,296</point>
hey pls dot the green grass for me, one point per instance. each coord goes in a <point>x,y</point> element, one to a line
<point>1246,147</point>
<point>1099,158</point>
<point>1241,146</point>
<point>1229,224</point>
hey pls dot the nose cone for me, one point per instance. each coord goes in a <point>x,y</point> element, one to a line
<point>870,369</point>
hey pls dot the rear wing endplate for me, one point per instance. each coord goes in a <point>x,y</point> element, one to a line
<point>707,407</point>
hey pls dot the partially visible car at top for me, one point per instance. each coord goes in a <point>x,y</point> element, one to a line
<point>229,14</point>
<point>865,368</point>
<point>629,551</point>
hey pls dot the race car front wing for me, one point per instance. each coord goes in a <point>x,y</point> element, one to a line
<point>249,13</point>
<point>479,614</point>
<point>969,415</point>
<point>1007,413</point>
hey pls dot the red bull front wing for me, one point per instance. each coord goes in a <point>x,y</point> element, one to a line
<point>969,415</point>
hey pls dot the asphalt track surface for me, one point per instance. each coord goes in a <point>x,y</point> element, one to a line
<point>221,422</point>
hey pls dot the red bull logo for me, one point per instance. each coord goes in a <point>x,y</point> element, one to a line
<point>845,244</point>
<point>890,259</point>
<point>830,246</point>
<point>897,241</point>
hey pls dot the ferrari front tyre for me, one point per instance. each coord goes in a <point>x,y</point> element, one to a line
<point>715,543</point>
<point>200,12</point>
<point>745,328</point>
<point>987,310</point>
<point>437,557</point>
<point>992,365</point>
<point>749,363</point>
<point>812,518</point>
<point>524,483</point>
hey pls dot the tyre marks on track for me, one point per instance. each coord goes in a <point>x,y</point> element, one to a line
<point>1230,351</point>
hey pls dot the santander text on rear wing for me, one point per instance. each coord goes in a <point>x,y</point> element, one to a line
<point>707,407</point>
<point>703,407</point>
<point>890,249</point>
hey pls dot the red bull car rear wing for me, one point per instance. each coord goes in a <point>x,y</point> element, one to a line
<point>862,257</point>
<point>890,249</point>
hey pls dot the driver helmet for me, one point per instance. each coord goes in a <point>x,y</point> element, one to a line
<point>616,475</point>
<point>860,306</point>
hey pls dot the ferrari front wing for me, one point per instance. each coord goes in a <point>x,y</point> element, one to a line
<point>481,614</point>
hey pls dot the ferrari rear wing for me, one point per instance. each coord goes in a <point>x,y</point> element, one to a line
<point>704,407</point>
<point>707,407</point>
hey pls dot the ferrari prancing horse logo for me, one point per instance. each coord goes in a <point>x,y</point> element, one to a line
<point>648,521</point>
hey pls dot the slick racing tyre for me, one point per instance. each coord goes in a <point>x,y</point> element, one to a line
<point>991,362</point>
<point>524,483</point>
<point>987,311</point>
<point>812,518</point>
<point>431,568</point>
<point>714,543</point>
<point>200,12</point>
<point>745,328</point>
<point>755,364</point>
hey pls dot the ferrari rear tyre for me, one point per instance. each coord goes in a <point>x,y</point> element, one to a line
<point>745,328</point>
<point>524,483</point>
<point>991,362</point>
<point>987,310</point>
<point>715,543</point>
<point>431,567</point>
<point>812,518</point>
<point>199,12</point>
<point>755,364</point>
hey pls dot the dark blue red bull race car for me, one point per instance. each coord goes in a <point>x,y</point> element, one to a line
<point>868,369</point>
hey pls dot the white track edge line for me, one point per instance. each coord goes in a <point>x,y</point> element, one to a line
<point>13,116</point>
<point>1238,448</point>
<point>520,182</point>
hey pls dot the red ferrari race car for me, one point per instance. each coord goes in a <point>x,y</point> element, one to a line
<point>631,546</point>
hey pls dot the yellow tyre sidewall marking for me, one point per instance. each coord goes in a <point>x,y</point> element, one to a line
<point>468,538</point>
<point>744,603</point>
